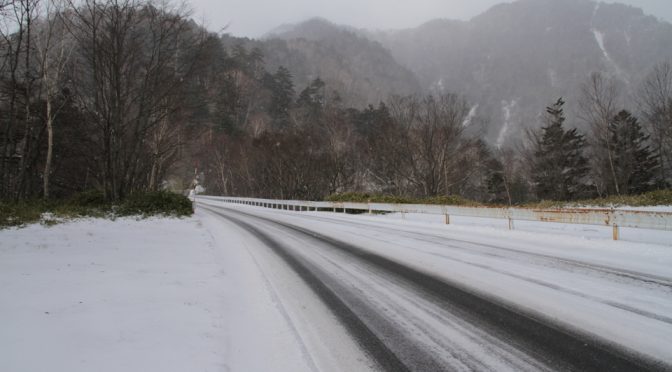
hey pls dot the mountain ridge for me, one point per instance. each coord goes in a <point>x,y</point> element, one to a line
<point>512,60</point>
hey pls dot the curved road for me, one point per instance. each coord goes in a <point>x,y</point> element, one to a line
<point>435,299</point>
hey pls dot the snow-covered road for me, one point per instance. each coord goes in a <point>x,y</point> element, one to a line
<point>421,297</point>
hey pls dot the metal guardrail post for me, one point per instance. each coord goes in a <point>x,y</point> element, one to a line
<point>509,217</point>
<point>611,215</point>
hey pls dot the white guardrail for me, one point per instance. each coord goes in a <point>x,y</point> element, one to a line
<point>614,218</point>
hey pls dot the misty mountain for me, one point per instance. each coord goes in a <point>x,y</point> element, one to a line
<point>516,58</point>
<point>510,62</point>
<point>362,71</point>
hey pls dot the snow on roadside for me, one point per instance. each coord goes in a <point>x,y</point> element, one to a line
<point>99,295</point>
<point>275,321</point>
<point>147,295</point>
<point>590,232</point>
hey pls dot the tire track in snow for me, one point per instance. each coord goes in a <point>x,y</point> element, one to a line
<point>358,329</point>
<point>489,249</point>
<point>543,283</point>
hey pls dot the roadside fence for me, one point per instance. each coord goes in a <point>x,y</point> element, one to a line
<point>614,218</point>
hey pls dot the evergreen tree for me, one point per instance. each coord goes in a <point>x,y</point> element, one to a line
<point>370,120</point>
<point>559,165</point>
<point>634,162</point>
<point>281,87</point>
<point>251,63</point>
<point>311,103</point>
<point>496,182</point>
<point>313,96</point>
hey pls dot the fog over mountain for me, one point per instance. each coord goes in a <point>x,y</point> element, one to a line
<point>510,62</point>
<point>253,18</point>
<point>361,70</point>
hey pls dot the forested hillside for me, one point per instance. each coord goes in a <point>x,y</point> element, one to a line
<point>130,95</point>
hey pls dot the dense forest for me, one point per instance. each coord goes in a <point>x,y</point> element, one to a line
<point>132,95</point>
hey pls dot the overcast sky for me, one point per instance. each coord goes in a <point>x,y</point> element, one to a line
<point>253,18</point>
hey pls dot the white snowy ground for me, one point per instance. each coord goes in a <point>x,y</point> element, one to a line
<point>585,232</point>
<point>149,295</point>
<point>199,295</point>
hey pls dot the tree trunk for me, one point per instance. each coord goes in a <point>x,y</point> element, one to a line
<point>50,150</point>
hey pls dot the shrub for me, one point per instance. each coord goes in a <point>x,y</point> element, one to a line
<point>93,204</point>
<point>156,203</point>
<point>377,198</point>
<point>354,197</point>
<point>89,203</point>
<point>653,198</point>
<point>659,197</point>
<point>90,198</point>
<point>451,200</point>
<point>20,213</point>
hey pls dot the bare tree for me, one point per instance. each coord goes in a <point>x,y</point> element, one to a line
<point>655,102</point>
<point>428,142</point>
<point>12,32</point>
<point>136,58</point>
<point>509,160</point>
<point>54,48</point>
<point>599,105</point>
<point>29,12</point>
<point>18,147</point>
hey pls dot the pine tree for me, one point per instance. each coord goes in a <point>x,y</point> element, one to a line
<point>634,162</point>
<point>496,183</point>
<point>282,95</point>
<point>559,165</point>
<point>311,103</point>
<point>313,96</point>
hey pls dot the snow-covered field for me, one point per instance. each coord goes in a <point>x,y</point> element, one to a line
<point>151,295</point>
<point>97,295</point>
<point>203,294</point>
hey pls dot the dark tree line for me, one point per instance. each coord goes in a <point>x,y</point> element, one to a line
<point>93,94</point>
<point>418,146</point>
<point>131,95</point>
